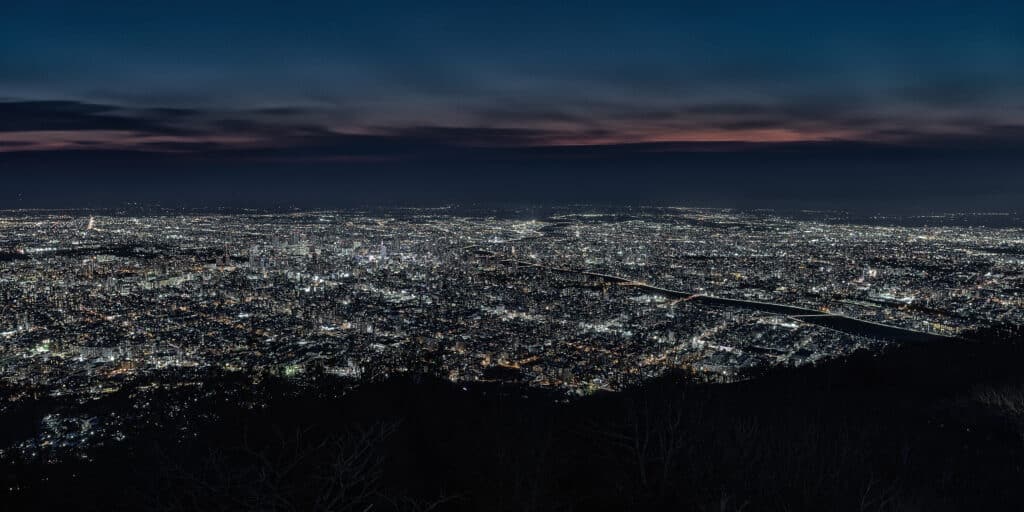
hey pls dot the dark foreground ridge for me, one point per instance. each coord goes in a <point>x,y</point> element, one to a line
<point>922,427</point>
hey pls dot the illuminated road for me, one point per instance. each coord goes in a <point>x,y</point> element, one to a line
<point>841,323</point>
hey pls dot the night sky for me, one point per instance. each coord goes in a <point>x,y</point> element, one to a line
<point>862,105</point>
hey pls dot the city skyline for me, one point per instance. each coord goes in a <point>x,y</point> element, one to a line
<point>535,256</point>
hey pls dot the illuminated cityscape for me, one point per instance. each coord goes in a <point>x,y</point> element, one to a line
<point>328,256</point>
<point>578,300</point>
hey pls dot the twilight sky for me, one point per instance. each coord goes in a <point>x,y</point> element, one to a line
<point>869,105</point>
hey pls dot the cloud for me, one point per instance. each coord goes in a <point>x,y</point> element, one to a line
<point>49,125</point>
<point>473,136</point>
<point>22,116</point>
<point>15,144</point>
<point>513,130</point>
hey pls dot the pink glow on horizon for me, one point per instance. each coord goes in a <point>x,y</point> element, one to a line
<point>550,137</point>
<point>55,140</point>
<point>768,135</point>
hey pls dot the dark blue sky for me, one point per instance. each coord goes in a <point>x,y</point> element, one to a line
<point>855,104</point>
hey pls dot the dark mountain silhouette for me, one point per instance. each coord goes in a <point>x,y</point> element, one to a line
<point>925,427</point>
